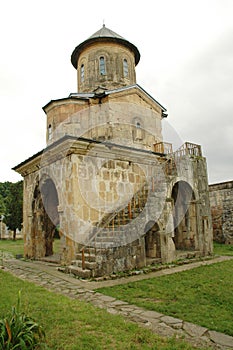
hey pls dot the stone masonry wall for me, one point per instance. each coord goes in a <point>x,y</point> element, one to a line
<point>221,202</point>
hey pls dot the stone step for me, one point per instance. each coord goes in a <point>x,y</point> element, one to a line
<point>116,232</point>
<point>78,271</point>
<point>109,244</point>
<point>90,250</point>
<point>108,239</point>
<point>88,265</point>
<point>87,257</point>
<point>183,254</point>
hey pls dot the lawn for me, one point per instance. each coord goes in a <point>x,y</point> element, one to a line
<point>16,247</point>
<point>223,249</point>
<point>75,325</point>
<point>203,295</point>
<point>10,246</point>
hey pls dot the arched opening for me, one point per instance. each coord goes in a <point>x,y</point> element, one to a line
<point>152,243</point>
<point>82,73</point>
<point>138,132</point>
<point>184,216</point>
<point>102,67</point>
<point>45,222</point>
<point>50,132</point>
<point>125,68</point>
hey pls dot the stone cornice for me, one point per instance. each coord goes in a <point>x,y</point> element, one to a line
<point>68,145</point>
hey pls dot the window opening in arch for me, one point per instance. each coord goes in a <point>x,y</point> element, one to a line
<point>102,65</point>
<point>82,73</point>
<point>137,131</point>
<point>125,68</point>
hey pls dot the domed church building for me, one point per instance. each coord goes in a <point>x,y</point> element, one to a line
<point>107,185</point>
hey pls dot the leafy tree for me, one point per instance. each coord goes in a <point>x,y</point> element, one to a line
<point>12,194</point>
<point>5,189</point>
<point>2,206</point>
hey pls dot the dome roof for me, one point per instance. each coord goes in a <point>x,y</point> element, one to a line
<point>104,34</point>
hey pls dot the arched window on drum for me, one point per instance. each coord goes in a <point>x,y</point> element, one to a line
<point>82,73</point>
<point>102,66</point>
<point>125,68</point>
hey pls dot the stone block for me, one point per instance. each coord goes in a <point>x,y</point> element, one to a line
<point>194,330</point>
<point>221,339</point>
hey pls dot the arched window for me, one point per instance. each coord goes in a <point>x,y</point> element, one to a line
<point>82,73</point>
<point>125,68</point>
<point>102,66</point>
<point>50,132</point>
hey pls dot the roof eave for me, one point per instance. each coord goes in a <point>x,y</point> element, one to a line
<point>124,42</point>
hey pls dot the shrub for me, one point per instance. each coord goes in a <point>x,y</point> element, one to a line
<point>20,332</point>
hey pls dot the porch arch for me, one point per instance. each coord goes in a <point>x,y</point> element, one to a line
<point>45,218</point>
<point>184,216</point>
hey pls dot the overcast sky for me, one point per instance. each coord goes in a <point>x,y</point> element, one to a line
<point>186,64</point>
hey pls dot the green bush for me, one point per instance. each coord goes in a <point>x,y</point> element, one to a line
<point>20,332</point>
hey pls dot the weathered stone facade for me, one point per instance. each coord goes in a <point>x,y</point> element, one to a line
<point>116,194</point>
<point>221,202</point>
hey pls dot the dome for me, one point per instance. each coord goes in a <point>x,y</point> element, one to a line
<point>104,34</point>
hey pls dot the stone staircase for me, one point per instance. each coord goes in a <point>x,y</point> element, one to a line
<point>85,263</point>
<point>109,233</point>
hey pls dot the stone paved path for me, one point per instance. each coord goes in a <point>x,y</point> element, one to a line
<point>47,276</point>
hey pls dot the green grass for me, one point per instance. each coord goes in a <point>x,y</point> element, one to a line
<point>203,295</point>
<point>16,247</point>
<point>74,325</point>
<point>10,246</point>
<point>223,249</point>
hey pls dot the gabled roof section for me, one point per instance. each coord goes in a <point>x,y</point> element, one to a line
<point>74,96</point>
<point>108,92</point>
<point>101,92</point>
<point>104,34</point>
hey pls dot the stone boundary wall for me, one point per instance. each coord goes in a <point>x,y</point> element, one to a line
<point>221,202</point>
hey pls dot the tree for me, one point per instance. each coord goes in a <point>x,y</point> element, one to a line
<point>2,206</point>
<point>14,205</point>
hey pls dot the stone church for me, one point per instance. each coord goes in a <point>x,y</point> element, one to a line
<point>107,184</point>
